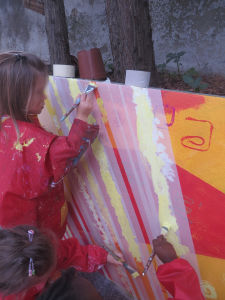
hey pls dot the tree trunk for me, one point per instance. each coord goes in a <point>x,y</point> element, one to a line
<point>131,37</point>
<point>57,33</point>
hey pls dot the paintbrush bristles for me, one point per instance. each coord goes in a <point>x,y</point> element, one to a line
<point>132,271</point>
<point>135,274</point>
<point>164,230</point>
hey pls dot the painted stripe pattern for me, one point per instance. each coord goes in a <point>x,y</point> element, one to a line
<point>126,186</point>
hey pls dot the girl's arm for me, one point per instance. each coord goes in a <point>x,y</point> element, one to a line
<point>88,258</point>
<point>180,279</point>
<point>176,274</point>
<point>65,152</point>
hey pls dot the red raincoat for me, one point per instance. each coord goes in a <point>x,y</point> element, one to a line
<point>31,169</point>
<point>180,279</point>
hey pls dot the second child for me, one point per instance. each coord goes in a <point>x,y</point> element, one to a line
<point>30,259</point>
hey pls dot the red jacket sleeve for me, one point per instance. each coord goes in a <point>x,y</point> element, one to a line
<point>88,258</point>
<point>180,279</point>
<point>66,151</point>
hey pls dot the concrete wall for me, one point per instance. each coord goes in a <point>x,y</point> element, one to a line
<point>22,29</point>
<point>195,26</point>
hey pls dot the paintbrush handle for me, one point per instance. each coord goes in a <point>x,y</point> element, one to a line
<point>148,264</point>
<point>71,109</point>
<point>88,90</point>
<point>131,270</point>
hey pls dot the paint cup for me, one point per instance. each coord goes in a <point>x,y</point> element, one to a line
<point>64,70</point>
<point>91,65</point>
<point>137,78</point>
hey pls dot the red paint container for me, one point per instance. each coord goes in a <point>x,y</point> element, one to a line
<point>91,64</point>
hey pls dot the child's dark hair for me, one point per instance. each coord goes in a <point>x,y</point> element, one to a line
<point>15,252</point>
<point>70,286</point>
<point>18,74</point>
<point>62,288</point>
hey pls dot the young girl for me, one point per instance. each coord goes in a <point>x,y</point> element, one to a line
<point>29,258</point>
<point>32,160</point>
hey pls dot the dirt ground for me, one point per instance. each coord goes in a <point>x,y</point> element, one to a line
<point>216,84</point>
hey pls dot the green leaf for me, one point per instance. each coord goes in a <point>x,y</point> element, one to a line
<point>181,53</point>
<point>197,82</point>
<point>192,72</point>
<point>203,86</point>
<point>169,59</point>
<point>170,55</point>
<point>188,79</point>
<point>161,67</point>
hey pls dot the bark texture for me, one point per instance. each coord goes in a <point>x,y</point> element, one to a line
<point>57,32</point>
<point>131,37</point>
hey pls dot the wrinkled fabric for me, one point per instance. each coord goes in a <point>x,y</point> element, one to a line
<point>71,286</point>
<point>70,253</point>
<point>108,289</point>
<point>88,258</point>
<point>180,280</point>
<point>32,169</point>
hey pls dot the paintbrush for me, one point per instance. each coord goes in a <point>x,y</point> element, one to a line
<point>90,88</point>
<point>148,264</point>
<point>134,273</point>
<point>164,231</point>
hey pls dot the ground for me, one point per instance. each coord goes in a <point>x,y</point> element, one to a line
<point>216,84</point>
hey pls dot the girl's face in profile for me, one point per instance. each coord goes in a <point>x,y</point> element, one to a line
<point>38,97</point>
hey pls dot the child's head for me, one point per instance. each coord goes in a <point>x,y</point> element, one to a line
<point>23,77</point>
<point>16,250</point>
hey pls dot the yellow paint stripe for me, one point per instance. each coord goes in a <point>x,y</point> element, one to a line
<point>58,99</point>
<point>148,147</point>
<point>115,199</point>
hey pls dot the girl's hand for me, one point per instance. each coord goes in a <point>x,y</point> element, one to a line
<point>85,107</point>
<point>164,250</point>
<point>112,260</point>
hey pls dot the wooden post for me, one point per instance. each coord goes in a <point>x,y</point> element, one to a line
<point>131,37</point>
<point>57,32</point>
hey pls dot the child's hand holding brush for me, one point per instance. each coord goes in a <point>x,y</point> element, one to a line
<point>112,260</point>
<point>163,249</point>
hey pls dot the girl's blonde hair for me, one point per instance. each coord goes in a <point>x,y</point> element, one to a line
<point>18,74</point>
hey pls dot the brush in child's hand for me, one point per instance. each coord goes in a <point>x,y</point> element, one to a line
<point>90,88</point>
<point>164,230</point>
<point>134,273</point>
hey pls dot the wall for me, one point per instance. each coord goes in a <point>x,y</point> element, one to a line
<point>195,26</point>
<point>22,29</point>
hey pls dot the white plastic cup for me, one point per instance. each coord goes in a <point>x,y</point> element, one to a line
<point>64,70</point>
<point>137,78</point>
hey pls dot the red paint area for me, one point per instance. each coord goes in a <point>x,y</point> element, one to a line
<point>130,192</point>
<point>205,207</point>
<point>181,101</point>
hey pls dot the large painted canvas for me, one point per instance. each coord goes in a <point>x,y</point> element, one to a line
<point>126,187</point>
